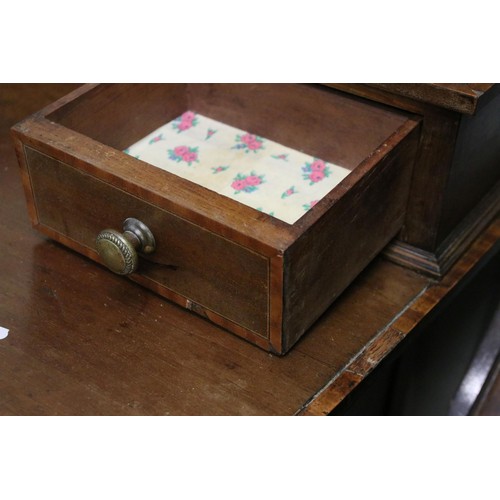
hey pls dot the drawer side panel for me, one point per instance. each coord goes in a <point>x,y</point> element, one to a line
<point>333,252</point>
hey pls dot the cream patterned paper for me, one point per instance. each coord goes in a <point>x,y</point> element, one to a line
<point>257,172</point>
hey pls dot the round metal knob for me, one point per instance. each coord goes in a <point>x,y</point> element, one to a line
<point>119,251</point>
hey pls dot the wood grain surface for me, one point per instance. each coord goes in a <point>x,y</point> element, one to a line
<point>434,159</point>
<point>461,97</point>
<point>83,341</point>
<point>195,263</point>
<point>455,185</point>
<point>78,182</point>
<point>427,301</point>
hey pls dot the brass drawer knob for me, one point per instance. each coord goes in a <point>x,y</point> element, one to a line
<point>119,251</point>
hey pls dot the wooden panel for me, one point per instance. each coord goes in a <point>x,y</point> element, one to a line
<point>476,164</point>
<point>431,298</point>
<point>216,273</point>
<point>318,121</point>
<point>453,195</point>
<point>437,264</point>
<point>119,115</point>
<point>432,166</point>
<point>322,263</point>
<point>460,97</point>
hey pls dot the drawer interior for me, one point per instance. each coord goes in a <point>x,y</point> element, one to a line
<point>250,169</point>
<point>317,136</point>
<point>317,121</point>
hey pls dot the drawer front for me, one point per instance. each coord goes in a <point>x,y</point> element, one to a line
<point>204,271</point>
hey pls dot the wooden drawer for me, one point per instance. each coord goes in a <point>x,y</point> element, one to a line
<point>253,274</point>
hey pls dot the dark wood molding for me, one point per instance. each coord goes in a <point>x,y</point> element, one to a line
<point>451,197</point>
<point>460,97</point>
<point>438,264</point>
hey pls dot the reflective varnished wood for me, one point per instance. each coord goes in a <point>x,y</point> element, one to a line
<point>455,190</point>
<point>250,273</point>
<point>84,341</point>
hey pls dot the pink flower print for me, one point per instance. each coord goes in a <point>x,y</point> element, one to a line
<point>181,150</point>
<point>210,133</point>
<point>253,180</point>
<point>184,126</point>
<point>247,138</point>
<point>184,122</point>
<point>315,171</point>
<point>216,170</point>
<point>254,145</point>
<point>309,205</point>
<point>158,138</point>
<point>288,192</point>
<point>189,157</point>
<point>316,176</point>
<point>283,157</point>
<point>188,116</point>
<point>247,183</point>
<point>318,166</point>
<point>249,142</point>
<point>239,184</point>
<point>183,153</point>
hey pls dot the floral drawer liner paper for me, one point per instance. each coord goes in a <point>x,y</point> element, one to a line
<point>257,172</point>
